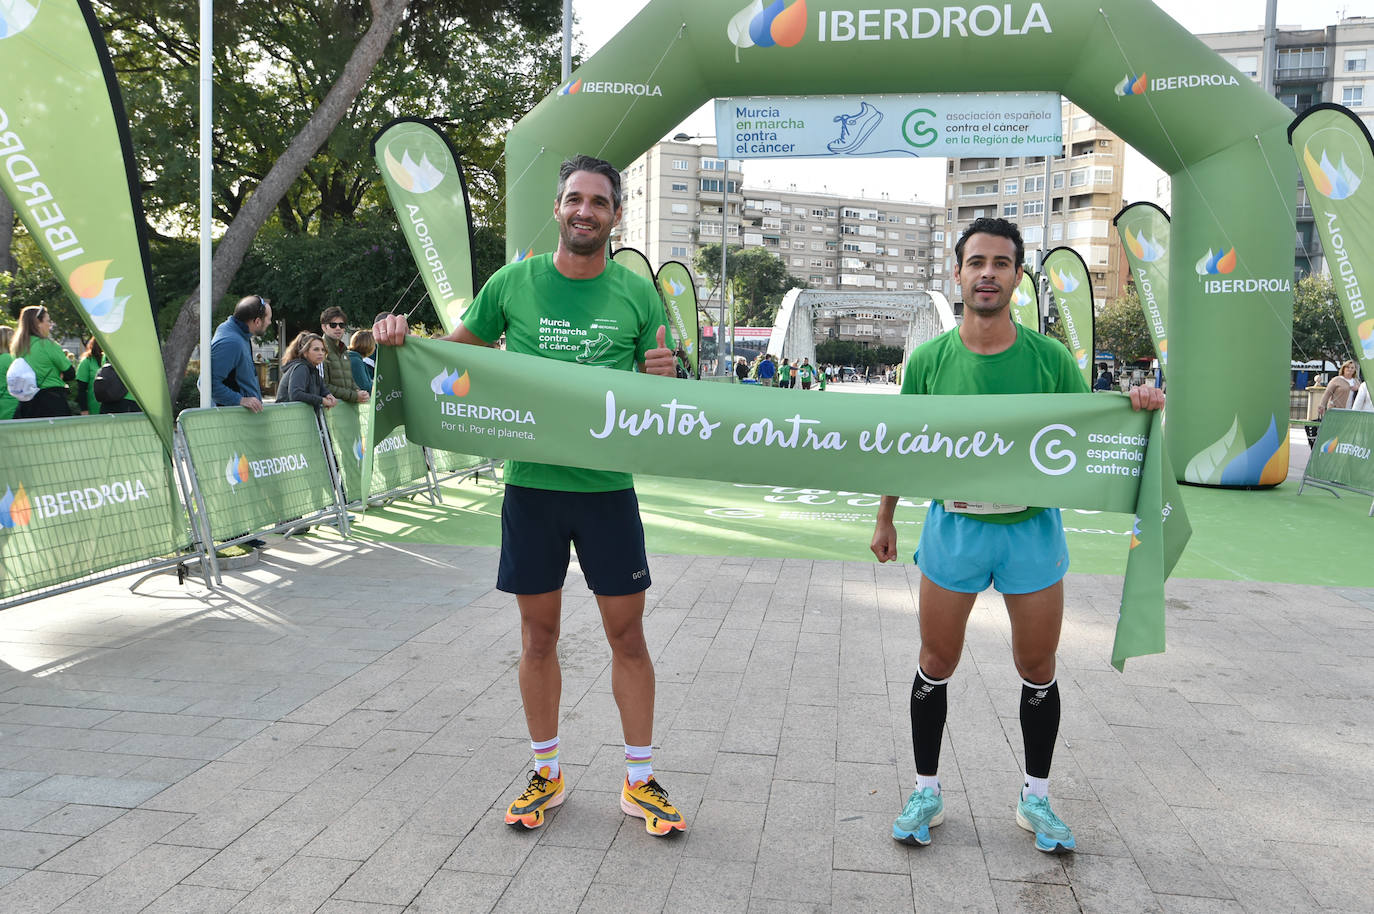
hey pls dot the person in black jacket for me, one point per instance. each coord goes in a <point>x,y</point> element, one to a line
<point>301,381</point>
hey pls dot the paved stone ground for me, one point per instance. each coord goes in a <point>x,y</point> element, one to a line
<point>339,729</point>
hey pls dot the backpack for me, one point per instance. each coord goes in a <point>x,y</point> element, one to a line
<point>22,382</point>
<point>108,386</point>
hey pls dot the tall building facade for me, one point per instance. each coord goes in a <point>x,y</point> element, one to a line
<point>1332,64</point>
<point>1068,199</point>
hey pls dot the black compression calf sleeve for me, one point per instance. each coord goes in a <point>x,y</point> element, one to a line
<point>1039,725</point>
<point>928,708</point>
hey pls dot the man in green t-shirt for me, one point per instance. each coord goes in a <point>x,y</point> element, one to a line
<point>575,305</point>
<point>965,545</point>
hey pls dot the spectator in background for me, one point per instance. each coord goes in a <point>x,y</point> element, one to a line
<point>301,380</point>
<point>7,403</point>
<point>233,377</point>
<point>1339,390</point>
<point>1105,380</point>
<point>338,373</point>
<point>50,367</point>
<point>361,347</point>
<point>86,371</point>
<point>767,369</point>
<point>805,373</point>
<point>785,374</point>
<point>741,368</point>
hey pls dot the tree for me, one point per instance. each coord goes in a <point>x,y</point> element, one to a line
<point>760,281</point>
<point>1120,329</point>
<point>285,81</point>
<point>1319,330</point>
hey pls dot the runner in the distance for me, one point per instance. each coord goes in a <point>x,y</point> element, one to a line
<point>576,305</point>
<point>965,546</point>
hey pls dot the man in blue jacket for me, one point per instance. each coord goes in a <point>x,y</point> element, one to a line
<point>233,377</point>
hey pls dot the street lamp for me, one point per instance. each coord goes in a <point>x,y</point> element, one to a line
<point>724,208</point>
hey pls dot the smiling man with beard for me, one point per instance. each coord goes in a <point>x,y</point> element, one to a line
<point>575,305</point>
<point>966,546</point>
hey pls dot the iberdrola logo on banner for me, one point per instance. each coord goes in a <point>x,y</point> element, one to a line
<point>1132,85</point>
<point>96,292</point>
<point>15,16</point>
<point>1231,461</point>
<point>450,384</point>
<point>1215,263</point>
<point>1023,306</point>
<point>15,508</point>
<point>1365,333</point>
<point>1146,250</point>
<point>1073,296</point>
<point>417,177</point>
<point>764,27</point>
<point>358,449</point>
<point>236,470</point>
<point>1144,230</point>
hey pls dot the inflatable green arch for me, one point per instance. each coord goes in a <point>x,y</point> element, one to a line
<point>1218,134</point>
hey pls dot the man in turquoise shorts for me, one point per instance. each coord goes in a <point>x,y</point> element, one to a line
<point>965,546</point>
<point>576,305</point>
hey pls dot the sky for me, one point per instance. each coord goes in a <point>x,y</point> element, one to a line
<point>597,21</point>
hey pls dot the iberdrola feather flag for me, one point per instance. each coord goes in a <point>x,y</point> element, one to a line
<point>1025,310</point>
<point>1335,156</point>
<point>680,298</point>
<point>66,164</point>
<point>1073,296</point>
<point>1144,231</point>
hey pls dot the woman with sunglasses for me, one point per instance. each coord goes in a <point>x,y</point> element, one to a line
<point>338,371</point>
<point>51,368</point>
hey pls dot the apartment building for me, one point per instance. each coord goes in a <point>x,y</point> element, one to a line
<point>1331,64</point>
<point>1070,198</point>
<point>673,196</point>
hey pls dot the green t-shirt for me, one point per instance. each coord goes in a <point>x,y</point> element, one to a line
<point>86,371</point>
<point>785,372</point>
<point>7,403</point>
<point>1034,364</point>
<point>48,362</point>
<point>804,373</point>
<point>610,321</point>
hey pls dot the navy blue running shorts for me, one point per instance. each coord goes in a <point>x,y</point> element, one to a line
<point>538,524</point>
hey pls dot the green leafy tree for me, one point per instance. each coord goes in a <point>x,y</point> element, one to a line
<point>1120,329</point>
<point>760,281</point>
<point>1319,330</point>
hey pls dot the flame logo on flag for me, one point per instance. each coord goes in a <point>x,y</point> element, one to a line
<point>1223,261</point>
<point>571,88</point>
<point>1132,85</point>
<point>757,26</point>
<point>521,254</point>
<point>97,294</point>
<point>1146,250</point>
<point>674,287</point>
<point>15,16</point>
<point>1164,352</point>
<point>1135,532</point>
<point>1082,356</point>
<point>1063,281</point>
<point>418,178</point>
<point>358,449</point>
<point>15,509</point>
<point>236,470</point>
<point>1335,182</point>
<point>450,384</point>
<point>1330,446</point>
<point>1020,298</point>
<point>1365,331</point>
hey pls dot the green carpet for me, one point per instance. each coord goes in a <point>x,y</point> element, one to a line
<point>1237,536</point>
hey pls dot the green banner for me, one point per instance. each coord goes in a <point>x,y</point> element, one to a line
<point>66,164</point>
<point>1144,231</point>
<point>1343,450</point>
<point>634,260</point>
<point>396,461</point>
<point>1335,154</point>
<point>1062,450</point>
<point>680,296</point>
<point>1025,307</point>
<point>108,500</point>
<point>257,470</point>
<point>425,184</point>
<point>1073,295</point>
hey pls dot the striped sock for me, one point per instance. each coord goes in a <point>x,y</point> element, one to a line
<point>546,756</point>
<point>639,763</point>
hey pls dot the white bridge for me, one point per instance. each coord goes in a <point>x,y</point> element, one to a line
<point>928,314</point>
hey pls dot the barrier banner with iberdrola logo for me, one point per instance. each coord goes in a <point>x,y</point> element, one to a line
<point>1064,450</point>
<point>1073,296</point>
<point>1344,451</point>
<point>108,500</point>
<point>1334,151</point>
<point>66,164</point>
<point>426,187</point>
<point>396,460</point>
<point>1144,231</point>
<point>257,470</point>
<point>1025,306</point>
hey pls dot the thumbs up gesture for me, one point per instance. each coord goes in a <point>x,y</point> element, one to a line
<point>661,360</point>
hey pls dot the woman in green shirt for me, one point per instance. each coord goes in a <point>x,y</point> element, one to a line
<point>86,371</point>
<point>50,365</point>
<point>7,403</point>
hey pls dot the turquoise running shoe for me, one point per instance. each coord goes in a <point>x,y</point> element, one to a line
<point>924,810</point>
<point>1051,834</point>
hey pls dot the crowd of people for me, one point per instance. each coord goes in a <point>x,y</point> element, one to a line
<point>39,374</point>
<point>766,370</point>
